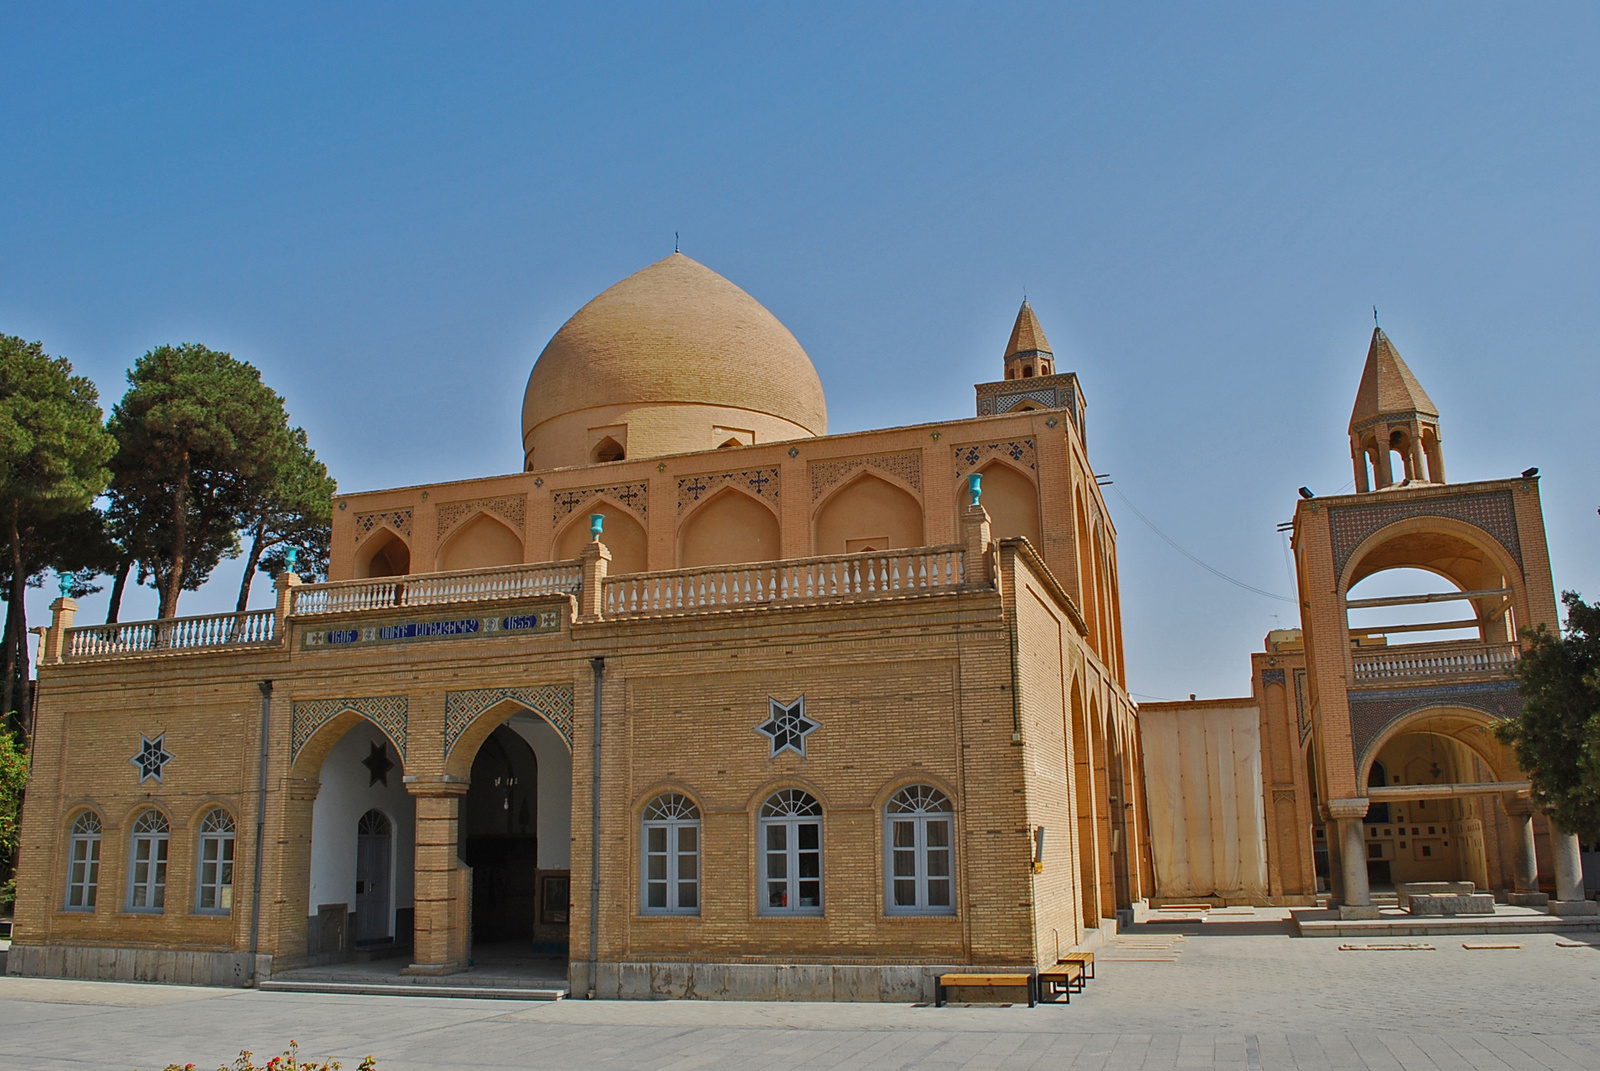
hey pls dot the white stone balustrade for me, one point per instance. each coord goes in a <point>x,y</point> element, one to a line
<point>250,629</point>
<point>841,578</point>
<point>804,581</point>
<point>434,589</point>
<point>1422,660</point>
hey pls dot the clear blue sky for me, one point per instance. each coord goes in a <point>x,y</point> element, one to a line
<point>389,210</point>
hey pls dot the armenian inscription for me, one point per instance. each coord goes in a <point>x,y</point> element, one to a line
<point>535,621</point>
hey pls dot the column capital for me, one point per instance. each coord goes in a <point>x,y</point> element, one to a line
<point>1355,807</point>
<point>1518,804</point>
<point>443,785</point>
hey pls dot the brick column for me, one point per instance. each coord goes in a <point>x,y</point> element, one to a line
<point>62,612</point>
<point>443,894</point>
<point>596,560</point>
<point>976,537</point>
<point>1357,899</point>
<point>285,585</point>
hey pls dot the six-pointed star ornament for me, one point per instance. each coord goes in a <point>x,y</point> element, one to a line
<point>152,758</point>
<point>787,726</point>
<point>378,764</point>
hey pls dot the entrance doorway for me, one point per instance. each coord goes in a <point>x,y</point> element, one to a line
<point>501,838</point>
<point>516,835</point>
<point>374,855</point>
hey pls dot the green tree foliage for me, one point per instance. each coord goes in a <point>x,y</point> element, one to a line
<point>73,547</point>
<point>200,443</point>
<point>53,452</point>
<point>13,778</point>
<point>296,511</point>
<point>1557,737</point>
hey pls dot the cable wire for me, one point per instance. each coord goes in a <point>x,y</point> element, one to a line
<point>1208,568</point>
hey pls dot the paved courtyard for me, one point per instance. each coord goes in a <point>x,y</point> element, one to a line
<point>1234,993</point>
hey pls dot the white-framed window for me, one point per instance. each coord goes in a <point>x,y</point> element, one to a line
<point>147,874</point>
<point>215,892</point>
<point>669,873</point>
<point>790,831</point>
<point>83,863</point>
<point>918,853</point>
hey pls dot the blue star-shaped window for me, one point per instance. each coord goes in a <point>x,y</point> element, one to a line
<point>786,726</point>
<point>152,758</point>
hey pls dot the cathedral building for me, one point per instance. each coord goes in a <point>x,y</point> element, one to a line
<point>703,702</point>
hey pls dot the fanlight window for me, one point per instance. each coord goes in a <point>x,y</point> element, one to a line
<point>669,874</point>
<point>215,891</point>
<point>83,867</point>
<point>147,885</point>
<point>374,823</point>
<point>790,828</point>
<point>919,852</point>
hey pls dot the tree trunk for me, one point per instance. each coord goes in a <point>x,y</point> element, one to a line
<point>118,586</point>
<point>250,564</point>
<point>16,616</point>
<point>10,659</point>
<point>180,542</point>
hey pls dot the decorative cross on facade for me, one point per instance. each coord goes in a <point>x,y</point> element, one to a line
<point>152,758</point>
<point>697,487</point>
<point>786,726</point>
<point>759,481</point>
<point>378,764</point>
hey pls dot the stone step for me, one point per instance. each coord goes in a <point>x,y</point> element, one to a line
<point>418,989</point>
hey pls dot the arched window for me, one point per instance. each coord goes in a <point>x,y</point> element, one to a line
<point>791,850</point>
<point>83,867</point>
<point>147,879</point>
<point>669,873</point>
<point>215,893</point>
<point>918,853</point>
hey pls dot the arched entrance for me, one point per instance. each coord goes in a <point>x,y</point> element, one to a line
<point>515,833</point>
<point>363,824</point>
<point>1433,815</point>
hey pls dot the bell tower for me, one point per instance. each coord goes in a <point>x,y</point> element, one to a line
<point>1028,353</point>
<point>1394,428</point>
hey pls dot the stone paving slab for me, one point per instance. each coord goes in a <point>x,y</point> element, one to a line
<point>1250,1000</point>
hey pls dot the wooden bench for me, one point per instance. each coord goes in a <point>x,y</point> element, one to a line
<point>1084,958</point>
<point>1025,981</point>
<point>1065,977</point>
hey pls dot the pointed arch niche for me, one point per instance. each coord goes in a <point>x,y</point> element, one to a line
<point>383,554</point>
<point>483,542</point>
<point>1012,502</point>
<point>729,528</point>
<point>623,536</point>
<point>868,513</point>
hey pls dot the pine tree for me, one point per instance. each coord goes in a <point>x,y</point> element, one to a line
<point>200,442</point>
<point>53,453</point>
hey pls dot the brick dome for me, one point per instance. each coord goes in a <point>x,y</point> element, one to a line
<point>672,359</point>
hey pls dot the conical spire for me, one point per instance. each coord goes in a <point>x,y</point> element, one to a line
<point>1388,388</point>
<point>1026,336</point>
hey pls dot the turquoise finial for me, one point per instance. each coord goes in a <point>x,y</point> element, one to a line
<point>975,486</point>
<point>597,524</point>
<point>290,556</point>
<point>64,584</point>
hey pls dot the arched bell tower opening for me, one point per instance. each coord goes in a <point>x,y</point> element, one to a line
<point>1394,427</point>
<point>1028,351</point>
